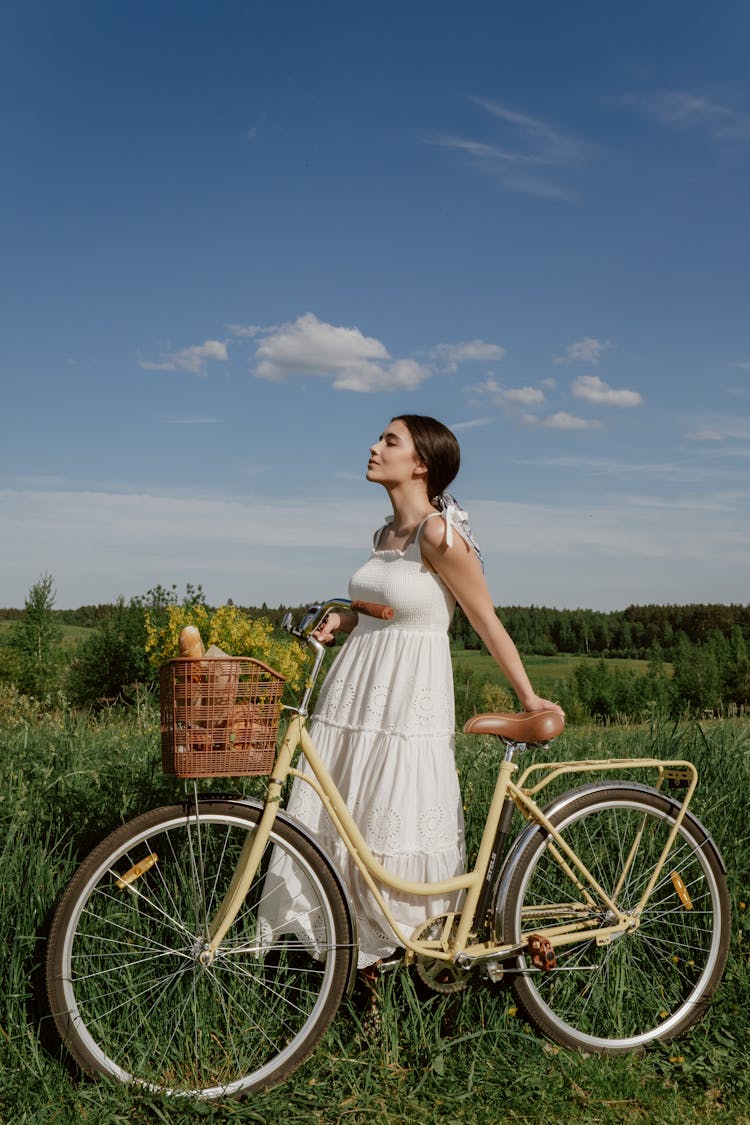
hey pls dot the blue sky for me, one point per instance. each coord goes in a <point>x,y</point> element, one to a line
<point>238,237</point>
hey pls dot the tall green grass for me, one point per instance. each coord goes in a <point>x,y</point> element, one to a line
<point>65,781</point>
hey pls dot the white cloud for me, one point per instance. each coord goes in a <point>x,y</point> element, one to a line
<point>706,435</point>
<point>545,143</point>
<point>401,375</point>
<point>531,159</point>
<point>353,361</point>
<point>472,424</point>
<point>523,396</point>
<point>509,397</point>
<point>189,359</point>
<point>663,540</point>
<point>311,347</point>
<point>480,150</point>
<point>470,351</point>
<point>586,350</point>
<point>244,331</point>
<point>594,390</point>
<point>106,543</point>
<point>561,421</point>
<point>690,470</point>
<point>680,109</point>
<point>723,429</point>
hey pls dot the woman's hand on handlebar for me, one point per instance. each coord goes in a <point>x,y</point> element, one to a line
<point>334,622</point>
<point>329,626</point>
<point>344,620</point>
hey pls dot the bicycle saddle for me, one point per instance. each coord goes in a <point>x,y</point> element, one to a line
<point>524,726</point>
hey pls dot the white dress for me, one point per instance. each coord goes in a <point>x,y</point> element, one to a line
<point>384,726</point>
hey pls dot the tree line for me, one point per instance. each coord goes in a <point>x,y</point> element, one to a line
<point>631,633</point>
<point>697,655</point>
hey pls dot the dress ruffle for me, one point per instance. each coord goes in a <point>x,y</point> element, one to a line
<point>384,727</point>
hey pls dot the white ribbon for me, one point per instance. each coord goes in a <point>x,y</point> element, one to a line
<point>450,511</point>
<point>446,506</point>
<point>449,514</point>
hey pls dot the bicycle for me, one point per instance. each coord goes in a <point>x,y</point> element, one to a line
<point>608,915</point>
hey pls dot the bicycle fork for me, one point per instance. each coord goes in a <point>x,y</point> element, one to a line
<point>251,852</point>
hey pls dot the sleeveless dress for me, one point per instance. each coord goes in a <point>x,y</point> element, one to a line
<point>384,726</point>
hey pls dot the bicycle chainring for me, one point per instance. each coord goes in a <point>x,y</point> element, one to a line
<point>439,975</point>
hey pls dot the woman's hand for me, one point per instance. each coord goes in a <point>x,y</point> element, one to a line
<point>536,703</point>
<point>332,624</point>
<point>329,626</point>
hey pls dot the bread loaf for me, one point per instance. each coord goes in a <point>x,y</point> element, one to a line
<point>190,643</point>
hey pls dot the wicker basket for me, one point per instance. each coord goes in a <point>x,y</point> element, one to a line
<point>219,717</point>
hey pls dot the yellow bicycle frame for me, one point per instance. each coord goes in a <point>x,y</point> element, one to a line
<point>455,939</point>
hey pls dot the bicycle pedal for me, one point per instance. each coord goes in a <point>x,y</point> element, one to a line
<point>393,961</point>
<point>492,971</point>
<point>542,953</point>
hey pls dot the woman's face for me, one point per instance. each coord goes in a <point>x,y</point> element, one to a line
<point>393,458</point>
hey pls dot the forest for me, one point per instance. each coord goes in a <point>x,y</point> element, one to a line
<point>631,633</point>
<point>682,660</point>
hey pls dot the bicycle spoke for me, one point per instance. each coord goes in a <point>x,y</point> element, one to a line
<point>129,987</point>
<point>648,981</point>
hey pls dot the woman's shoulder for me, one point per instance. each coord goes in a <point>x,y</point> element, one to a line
<point>435,531</point>
<point>437,539</point>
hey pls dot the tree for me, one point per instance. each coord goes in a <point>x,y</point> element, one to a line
<point>113,660</point>
<point>697,678</point>
<point>36,640</point>
<point>112,664</point>
<point>737,673</point>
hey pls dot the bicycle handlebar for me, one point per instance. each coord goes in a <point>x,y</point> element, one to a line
<point>312,620</point>
<point>372,609</point>
<point>317,614</point>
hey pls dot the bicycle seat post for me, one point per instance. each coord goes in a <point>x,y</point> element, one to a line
<point>512,748</point>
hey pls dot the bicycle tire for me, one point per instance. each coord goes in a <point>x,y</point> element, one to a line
<point>648,984</point>
<point>128,993</point>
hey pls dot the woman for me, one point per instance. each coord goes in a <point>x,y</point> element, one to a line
<point>384,722</point>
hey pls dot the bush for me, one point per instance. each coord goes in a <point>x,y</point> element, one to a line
<point>110,664</point>
<point>17,710</point>
<point>230,630</point>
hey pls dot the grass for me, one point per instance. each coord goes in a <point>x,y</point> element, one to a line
<point>67,780</point>
<point>71,636</point>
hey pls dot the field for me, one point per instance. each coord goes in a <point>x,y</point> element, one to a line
<point>71,636</point>
<point>68,779</point>
<point>545,672</point>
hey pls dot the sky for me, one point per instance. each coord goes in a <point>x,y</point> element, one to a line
<point>237,238</point>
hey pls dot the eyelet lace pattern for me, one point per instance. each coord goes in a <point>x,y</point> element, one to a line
<point>384,725</point>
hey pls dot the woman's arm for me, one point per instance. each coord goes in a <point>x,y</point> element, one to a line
<point>461,571</point>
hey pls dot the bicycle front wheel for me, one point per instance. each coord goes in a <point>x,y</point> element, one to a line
<point>129,991</point>
<point>615,994</point>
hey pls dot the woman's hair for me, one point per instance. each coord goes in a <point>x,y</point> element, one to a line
<point>437,448</point>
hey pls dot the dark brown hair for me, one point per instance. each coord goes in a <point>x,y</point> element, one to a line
<point>436,447</point>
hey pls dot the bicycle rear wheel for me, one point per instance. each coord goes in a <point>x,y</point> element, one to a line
<point>650,983</point>
<point>128,990</point>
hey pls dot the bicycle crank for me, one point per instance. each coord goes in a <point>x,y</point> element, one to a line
<point>437,974</point>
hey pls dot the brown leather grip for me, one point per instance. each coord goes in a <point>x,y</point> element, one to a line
<point>372,609</point>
